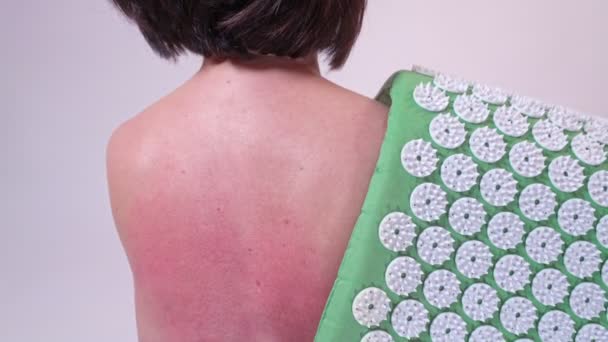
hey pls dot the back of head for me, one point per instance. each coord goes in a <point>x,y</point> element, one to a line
<point>247,28</point>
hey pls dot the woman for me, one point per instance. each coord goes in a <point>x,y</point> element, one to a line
<point>235,195</point>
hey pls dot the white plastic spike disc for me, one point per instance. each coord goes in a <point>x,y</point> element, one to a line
<point>550,287</point>
<point>371,307</point>
<point>576,216</point>
<point>473,259</point>
<point>598,187</point>
<point>530,107</point>
<point>459,172</point>
<point>487,145</point>
<point>471,109</point>
<point>451,83</point>
<point>403,275</point>
<point>597,129</point>
<point>441,288</point>
<point>377,336</point>
<point>410,318</point>
<point>537,202</point>
<point>446,131</point>
<point>587,300</point>
<point>480,302</point>
<point>582,259</point>
<point>512,273</point>
<point>587,150</point>
<point>565,118</point>
<point>498,187</point>
<point>397,231</point>
<point>510,121</point>
<point>435,245</point>
<point>601,232</point>
<point>428,201</point>
<point>544,245</point>
<point>491,95</point>
<point>527,159</point>
<point>419,158</point>
<point>566,174</point>
<point>505,230</point>
<point>486,333</point>
<point>555,326</point>
<point>549,136</point>
<point>430,97</point>
<point>448,327</point>
<point>518,315</point>
<point>592,332</point>
<point>467,216</point>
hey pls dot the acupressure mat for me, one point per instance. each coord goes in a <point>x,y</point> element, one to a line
<point>486,220</point>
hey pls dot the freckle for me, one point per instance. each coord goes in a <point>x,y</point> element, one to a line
<point>249,250</point>
<point>283,244</point>
<point>183,172</point>
<point>218,209</point>
<point>301,168</point>
<point>258,283</point>
<point>286,221</point>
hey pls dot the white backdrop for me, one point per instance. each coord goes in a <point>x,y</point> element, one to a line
<point>72,70</point>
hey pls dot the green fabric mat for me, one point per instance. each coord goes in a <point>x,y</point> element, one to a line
<point>365,259</point>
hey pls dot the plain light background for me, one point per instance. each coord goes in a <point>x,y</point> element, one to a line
<point>72,70</point>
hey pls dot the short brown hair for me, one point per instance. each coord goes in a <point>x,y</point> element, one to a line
<point>246,28</point>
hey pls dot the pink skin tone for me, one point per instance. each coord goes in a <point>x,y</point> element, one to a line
<point>235,195</point>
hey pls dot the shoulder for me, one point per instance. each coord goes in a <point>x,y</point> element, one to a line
<point>132,152</point>
<point>123,162</point>
<point>355,106</point>
<point>135,144</point>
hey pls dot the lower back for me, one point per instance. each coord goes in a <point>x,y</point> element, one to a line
<point>242,205</point>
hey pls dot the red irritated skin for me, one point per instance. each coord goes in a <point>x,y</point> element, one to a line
<point>199,280</point>
<point>235,208</point>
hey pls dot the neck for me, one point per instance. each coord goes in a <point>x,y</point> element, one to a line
<point>305,66</point>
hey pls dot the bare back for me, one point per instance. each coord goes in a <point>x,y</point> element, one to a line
<point>235,197</point>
